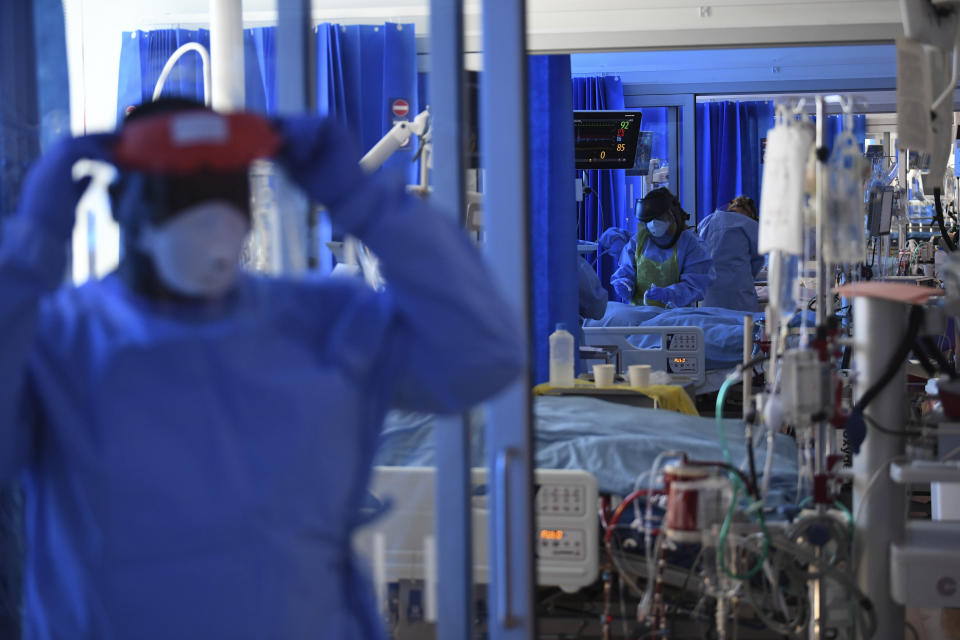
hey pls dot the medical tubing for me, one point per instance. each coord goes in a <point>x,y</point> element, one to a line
<point>864,605</point>
<point>940,221</point>
<point>172,60</point>
<point>870,484</point>
<point>751,458</point>
<point>636,487</point>
<point>751,488</point>
<point>735,480</point>
<point>721,429</point>
<point>725,530</point>
<point>648,516</point>
<point>630,581</point>
<point>768,464</point>
<point>903,350</point>
<point>618,513</point>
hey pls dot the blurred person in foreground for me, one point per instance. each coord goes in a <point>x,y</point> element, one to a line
<point>193,441</point>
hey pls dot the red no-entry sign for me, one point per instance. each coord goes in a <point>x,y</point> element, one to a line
<point>400,107</point>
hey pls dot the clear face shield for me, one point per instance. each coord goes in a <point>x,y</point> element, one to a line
<point>188,195</point>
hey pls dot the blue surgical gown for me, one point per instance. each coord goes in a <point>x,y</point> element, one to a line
<point>590,292</point>
<point>195,471</point>
<point>696,269</point>
<point>731,240</point>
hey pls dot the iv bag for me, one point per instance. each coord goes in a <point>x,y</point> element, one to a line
<point>784,194</point>
<point>844,215</point>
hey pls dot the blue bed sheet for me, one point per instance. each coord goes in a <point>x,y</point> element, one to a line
<point>612,441</point>
<point>722,328</point>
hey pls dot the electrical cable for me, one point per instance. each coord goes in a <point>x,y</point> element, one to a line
<point>912,629</point>
<point>901,353</point>
<point>951,246</point>
<point>924,359</point>
<point>931,348</point>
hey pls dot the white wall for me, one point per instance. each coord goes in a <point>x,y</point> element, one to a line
<point>94,29</point>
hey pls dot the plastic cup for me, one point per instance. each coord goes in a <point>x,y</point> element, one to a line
<point>603,374</point>
<point>639,375</point>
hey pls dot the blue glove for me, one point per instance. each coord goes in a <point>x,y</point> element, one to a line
<point>623,288</point>
<point>663,295</point>
<point>613,240</point>
<point>321,157</point>
<point>48,199</point>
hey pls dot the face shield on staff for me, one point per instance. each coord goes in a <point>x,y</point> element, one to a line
<point>183,196</point>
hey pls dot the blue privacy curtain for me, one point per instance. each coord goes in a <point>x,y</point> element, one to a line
<point>21,62</point>
<point>730,138</point>
<point>605,207</point>
<point>835,125</point>
<point>143,54</point>
<point>729,141</point>
<point>362,70</point>
<point>553,214</point>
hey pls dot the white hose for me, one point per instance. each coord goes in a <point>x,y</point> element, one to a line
<point>172,60</point>
<point>647,531</point>
<point>767,465</point>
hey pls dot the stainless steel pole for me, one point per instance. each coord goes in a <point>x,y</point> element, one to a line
<point>504,125</point>
<point>226,55</point>
<point>821,222</point>
<point>877,331</point>
<point>454,530</point>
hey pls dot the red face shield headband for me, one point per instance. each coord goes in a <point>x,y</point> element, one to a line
<point>194,141</point>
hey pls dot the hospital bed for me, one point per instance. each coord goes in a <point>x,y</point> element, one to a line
<point>584,448</point>
<point>647,328</point>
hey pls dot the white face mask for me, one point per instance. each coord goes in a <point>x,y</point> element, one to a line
<point>197,252</point>
<point>658,228</point>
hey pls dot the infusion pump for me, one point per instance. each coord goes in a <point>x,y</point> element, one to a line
<point>401,544</point>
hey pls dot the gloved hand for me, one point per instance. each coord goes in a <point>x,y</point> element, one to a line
<point>48,199</point>
<point>623,288</point>
<point>321,157</point>
<point>662,295</point>
<point>613,241</point>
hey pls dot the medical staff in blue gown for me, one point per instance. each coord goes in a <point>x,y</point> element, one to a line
<point>730,237</point>
<point>193,441</point>
<point>664,264</point>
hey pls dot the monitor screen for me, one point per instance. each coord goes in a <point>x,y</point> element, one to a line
<point>880,211</point>
<point>606,139</point>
